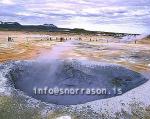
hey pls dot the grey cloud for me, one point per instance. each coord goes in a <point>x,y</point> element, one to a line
<point>93,12</point>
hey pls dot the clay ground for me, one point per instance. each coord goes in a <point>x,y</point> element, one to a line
<point>30,45</point>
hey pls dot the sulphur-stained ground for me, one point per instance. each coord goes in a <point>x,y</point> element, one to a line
<point>32,45</point>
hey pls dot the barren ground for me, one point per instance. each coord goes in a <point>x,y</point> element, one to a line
<point>30,46</point>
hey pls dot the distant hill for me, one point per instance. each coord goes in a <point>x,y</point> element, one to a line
<point>9,24</point>
<point>50,25</point>
<point>15,26</point>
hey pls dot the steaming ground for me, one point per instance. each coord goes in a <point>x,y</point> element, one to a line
<point>135,57</point>
<point>73,74</point>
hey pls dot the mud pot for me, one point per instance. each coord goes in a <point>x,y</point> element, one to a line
<point>25,76</point>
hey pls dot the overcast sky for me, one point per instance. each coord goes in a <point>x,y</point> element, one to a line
<point>131,16</point>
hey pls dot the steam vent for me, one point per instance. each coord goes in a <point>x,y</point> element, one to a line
<point>28,75</point>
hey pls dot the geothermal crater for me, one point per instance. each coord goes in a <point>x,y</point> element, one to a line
<point>28,75</point>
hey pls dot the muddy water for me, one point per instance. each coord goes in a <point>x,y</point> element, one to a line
<point>29,77</point>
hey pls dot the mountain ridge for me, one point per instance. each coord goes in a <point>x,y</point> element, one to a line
<point>15,26</point>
